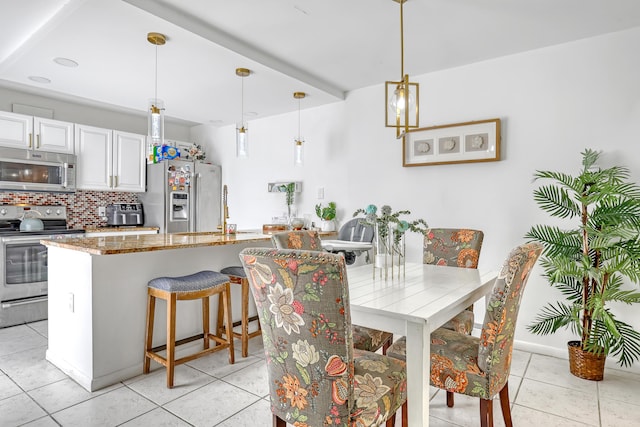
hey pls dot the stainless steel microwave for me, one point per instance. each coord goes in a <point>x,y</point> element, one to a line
<point>31,170</point>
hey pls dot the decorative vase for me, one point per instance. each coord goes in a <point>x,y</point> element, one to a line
<point>327,225</point>
<point>389,251</point>
<point>584,364</point>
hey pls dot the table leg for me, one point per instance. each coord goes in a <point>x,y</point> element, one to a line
<point>418,371</point>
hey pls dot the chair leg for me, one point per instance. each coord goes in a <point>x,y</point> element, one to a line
<point>226,297</point>
<point>277,422</point>
<point>450,399</point>
<point>171,338</point>
<point>219,323</point>
<point>391,421</point>
<point>245,317</point>
<point>386,345</point>
<point>504,405</point>
<point>151,308</point>
<point>205,322</point>
<point>486,413</point>
<point>405,414</point>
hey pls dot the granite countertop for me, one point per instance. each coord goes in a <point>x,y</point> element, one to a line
<point>111,245</point>
<point>120,228</point>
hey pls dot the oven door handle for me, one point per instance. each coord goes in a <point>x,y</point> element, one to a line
<point>26,238</point>
<point>24,302</point>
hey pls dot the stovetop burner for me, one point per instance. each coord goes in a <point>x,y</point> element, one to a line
<point>54,219</point>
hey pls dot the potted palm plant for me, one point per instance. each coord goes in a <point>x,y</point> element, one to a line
<point>591,262</point>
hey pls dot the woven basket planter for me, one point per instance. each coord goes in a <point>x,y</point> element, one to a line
<point>583,364</point>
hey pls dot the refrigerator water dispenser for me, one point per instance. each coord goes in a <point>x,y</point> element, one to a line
<point>179,206</point>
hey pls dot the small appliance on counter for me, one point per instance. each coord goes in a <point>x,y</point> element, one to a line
<point>123,214</point>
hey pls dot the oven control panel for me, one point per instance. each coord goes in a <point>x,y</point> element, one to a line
<point>44,212</point>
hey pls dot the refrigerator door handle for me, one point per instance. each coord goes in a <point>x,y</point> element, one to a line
<point>195,218</point>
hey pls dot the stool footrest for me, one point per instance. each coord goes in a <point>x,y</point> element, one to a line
<point>250,319</point>
<point>179,342</point>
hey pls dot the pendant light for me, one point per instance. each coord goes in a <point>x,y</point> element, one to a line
<point>156,106</point>
<point>298,143</point>
<point>242,131</point>
<point>401,97</point>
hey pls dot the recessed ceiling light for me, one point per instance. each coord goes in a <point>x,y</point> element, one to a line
<point>250,113</point>
<point>66,62</point>
<point>39,79</point>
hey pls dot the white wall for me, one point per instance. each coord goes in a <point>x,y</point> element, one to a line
<point>553,103</point>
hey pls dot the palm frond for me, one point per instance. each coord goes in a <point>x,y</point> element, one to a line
<point>589,158</point>
<point>556,201</point>
<point>555,241</point>
<point>625,344</point>
<point>551,318</point>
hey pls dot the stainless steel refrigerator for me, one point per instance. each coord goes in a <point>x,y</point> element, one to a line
<point>183,196</point>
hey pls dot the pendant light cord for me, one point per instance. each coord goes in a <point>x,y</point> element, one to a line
<point>401,40</point>
<point>156,85</point>
<point>298,119</point>
<point>242,103</point>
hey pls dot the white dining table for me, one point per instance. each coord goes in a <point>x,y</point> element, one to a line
<point>421,299</point>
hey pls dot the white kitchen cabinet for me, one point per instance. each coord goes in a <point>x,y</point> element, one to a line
<point>109,160</point>
<point>35,133</point>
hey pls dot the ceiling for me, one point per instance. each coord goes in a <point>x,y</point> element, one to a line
<point>325,48</point>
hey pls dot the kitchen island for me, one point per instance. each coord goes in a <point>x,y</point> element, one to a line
<point>98,292</point>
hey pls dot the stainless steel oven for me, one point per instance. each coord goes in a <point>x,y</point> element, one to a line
<point>23,263</point>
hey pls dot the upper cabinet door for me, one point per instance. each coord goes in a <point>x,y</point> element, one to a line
<point>16,130</point>
<point>53,135</point>
<point>95,157</point>
<point>129,162</point>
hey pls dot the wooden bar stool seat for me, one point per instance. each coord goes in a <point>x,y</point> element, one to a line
<point>238,276</point>
<point>200,285</point>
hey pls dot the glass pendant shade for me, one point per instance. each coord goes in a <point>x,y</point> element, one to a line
<point>298,143</point>
<point>298,152</point>
<point>155,109</point>
<point>402,97</point>
<point>242,130</point>
<point>156,121</point>
<point>402,104</point>
<point>242,141</point>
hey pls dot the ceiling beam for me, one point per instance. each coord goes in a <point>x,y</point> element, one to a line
<point>203,29</point>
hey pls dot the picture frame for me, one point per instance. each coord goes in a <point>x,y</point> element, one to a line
<point>469,142</point>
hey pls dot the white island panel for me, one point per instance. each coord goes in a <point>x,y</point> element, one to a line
<point>101,341</point>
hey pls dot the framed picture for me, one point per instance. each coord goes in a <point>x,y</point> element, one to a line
<point>468,142</point>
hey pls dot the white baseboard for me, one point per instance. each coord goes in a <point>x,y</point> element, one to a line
<point>563,353</point>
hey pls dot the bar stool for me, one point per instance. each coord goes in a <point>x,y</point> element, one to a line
<point>238,276</point>
<point>200,285</point>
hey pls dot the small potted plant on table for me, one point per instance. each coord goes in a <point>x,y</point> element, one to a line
<point>327,214</point>
<point>588,262</point>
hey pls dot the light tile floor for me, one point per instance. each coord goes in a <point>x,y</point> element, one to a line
<point>210,392</point>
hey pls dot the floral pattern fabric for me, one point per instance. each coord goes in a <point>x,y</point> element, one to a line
<point>306,239</point>
<point>452,247</point>
<point>480,366</point>
<point>316,377</point>
<point>363,338</point>
<point>457,247</point>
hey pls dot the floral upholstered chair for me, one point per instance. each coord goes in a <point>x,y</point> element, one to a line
<point>299,239</point>
<point>480,366</point>
<point>363,338</point>
<point>316,378</point>
<point>453,247</point>
<point>457,247</point>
